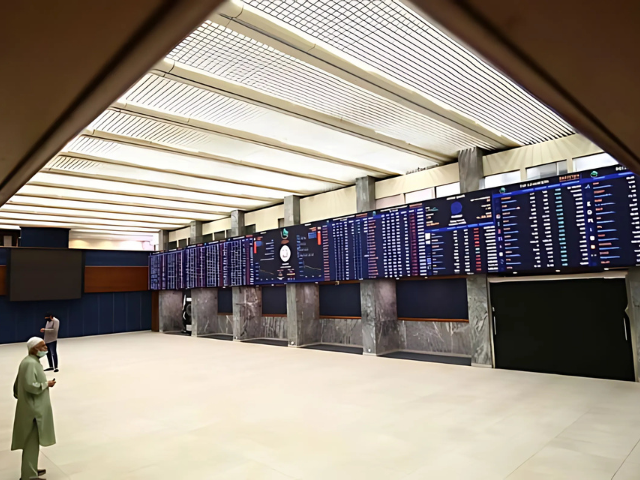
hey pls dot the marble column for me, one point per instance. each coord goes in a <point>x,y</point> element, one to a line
<point>237,223</point>
<point>471,169</point>
<point>365,194</point>
<point>380,326</point>
<point>633,311</point>
<point>195,232</point>
<point>170,310</point>
<point>164,240</point>
<point>247,313</point>
<point>303,314</point>
<point>471,172</point>
<point>480,328</point>
<point>204,311</point>
<point>303,299</point>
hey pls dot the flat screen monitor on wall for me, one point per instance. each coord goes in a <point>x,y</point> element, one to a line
<point>45,274</point>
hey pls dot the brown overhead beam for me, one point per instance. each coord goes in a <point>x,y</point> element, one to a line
<point>75,58</point>
<point>580,57</point>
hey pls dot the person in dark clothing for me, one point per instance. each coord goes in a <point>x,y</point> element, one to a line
<point>51,340</point>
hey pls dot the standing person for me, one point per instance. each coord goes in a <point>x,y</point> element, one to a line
<point>51,339</point>
<point>33,423</point>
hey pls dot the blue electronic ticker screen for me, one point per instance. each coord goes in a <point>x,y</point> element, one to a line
<point>578,221</point>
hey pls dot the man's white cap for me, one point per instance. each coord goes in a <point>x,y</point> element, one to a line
<point>33,341</point>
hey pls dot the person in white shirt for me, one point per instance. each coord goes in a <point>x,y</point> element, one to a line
<point>51,340</point>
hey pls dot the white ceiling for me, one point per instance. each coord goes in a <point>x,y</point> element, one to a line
<point>270,98</point>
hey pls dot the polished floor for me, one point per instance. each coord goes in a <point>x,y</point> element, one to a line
<point>153,406</point>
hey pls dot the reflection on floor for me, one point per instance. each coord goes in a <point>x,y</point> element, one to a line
<point>431,357</point>
<point>218,336</point>
<point>331,347</point>
<point>275,342</point>
<point>167,407</point>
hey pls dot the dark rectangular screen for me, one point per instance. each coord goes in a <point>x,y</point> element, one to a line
<point>225,300</point>
<point>45,274</point>
<point>274,300</point>
<point>434,298</point>
<point>340,300</point>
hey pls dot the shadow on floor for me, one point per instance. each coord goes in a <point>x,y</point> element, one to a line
<point>184,334</point>
<point>219,336</point>
<point>336,348</point>
<point>429,357</point>
<point>276,342</point>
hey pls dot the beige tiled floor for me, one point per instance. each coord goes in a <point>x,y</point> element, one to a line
<point>153,406</point>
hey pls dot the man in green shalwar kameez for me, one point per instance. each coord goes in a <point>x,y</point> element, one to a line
<point>33,424</point>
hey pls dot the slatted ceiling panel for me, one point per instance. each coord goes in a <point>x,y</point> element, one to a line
<point>227,147</point>
<point>394,39</point>
<point>230,55</point>
<point>265,183</point>
<point>53,210</point>
<point>188,100</point>
<point>53,192</point>
<point>137,190</point>
<point>12,223</point>
<point>12,216</point>
<point>296,131</point>
<point>31,201</point>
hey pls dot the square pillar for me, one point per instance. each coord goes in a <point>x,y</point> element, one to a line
<point>170,310</point>
<point>365,194</point>
<point>204,311</point>
<point>633,312</point>
<point>471,169</point>
<point>303,314</point>
<point>237,223</point>
<point>164,240</point>
<point>478,305</point>
<point>247,313</point>
<point>195,232</point>
<point>380,326</point>
<point>303,299</point>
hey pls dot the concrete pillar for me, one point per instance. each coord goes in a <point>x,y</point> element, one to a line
<point>237,223</point>
<point>471,173</point>
<point>380,326</point>
<point>204,311</point>
<point>291,210</point>
<point>303,299</point>
<point>170,310</point>
<point>247,313</point>
<point>633,312</point>
<point>365,194</point>
<point>247,301</point>
<point>164,240</point>
<point>471,169</point>
<point>195,232</point>
<point>478,301</point>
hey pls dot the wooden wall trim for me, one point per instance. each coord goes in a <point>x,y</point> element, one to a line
<point>115,279</point>
<point>3,280</point>
<point>340,318</point>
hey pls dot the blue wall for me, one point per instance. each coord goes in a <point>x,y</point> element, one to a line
<point>93,314</point>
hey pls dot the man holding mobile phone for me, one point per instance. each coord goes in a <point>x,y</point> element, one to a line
<point>50,331</point>
<point>33,423</point>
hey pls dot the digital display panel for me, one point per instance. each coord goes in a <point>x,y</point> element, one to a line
<point>175,270</point>
<point>195,267</point>
<point>573,222</point>
<point>156,273</point>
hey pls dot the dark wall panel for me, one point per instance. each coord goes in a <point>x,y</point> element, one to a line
<point>119,313</point>
<point>91,314</point>
<point>340,300</point>
<point>134,305</point>
<point>225,300</point>
<point>96,313</point>
<point>106,312</point>
<point>274,300</point>
<point>44,237</point>
<point>437,299</point>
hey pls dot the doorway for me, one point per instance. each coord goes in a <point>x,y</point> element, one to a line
<point>568,327</point>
